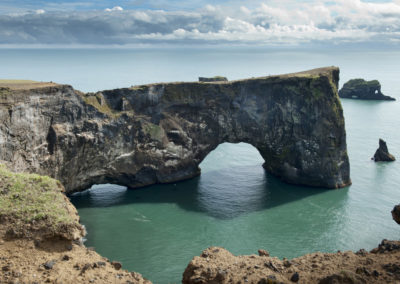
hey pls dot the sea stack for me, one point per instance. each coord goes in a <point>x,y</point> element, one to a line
<point>396,214</point>
<point>363,90</point>
<point>382,153</point>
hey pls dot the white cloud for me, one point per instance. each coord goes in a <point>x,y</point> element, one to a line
<point>40,11</point>
<point>116,8</point>
<point>273,22</point>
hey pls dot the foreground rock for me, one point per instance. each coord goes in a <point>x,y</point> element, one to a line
<point>40,236</point>
<point>160,133</point>
<point>382,153</point>
<point>217,265</point>
<point>363,90</point>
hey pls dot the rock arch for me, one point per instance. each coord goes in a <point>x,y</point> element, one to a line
<point>160,133</point>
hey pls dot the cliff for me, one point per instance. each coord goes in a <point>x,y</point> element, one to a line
<point>160,133</point>
<point>40,236</point>
<point>363,90</point>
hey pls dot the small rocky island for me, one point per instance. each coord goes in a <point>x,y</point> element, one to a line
<point>363,90</point>
<point>382,153</point>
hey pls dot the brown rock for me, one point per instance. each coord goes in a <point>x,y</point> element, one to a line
<point>117,265</point>
<point>262,252</point>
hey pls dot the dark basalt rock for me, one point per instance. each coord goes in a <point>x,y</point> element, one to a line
<point>160,133</point>
<point>382,153</point>
<point>363,90</point>
<point>396,214</point>
<point>213,79</point>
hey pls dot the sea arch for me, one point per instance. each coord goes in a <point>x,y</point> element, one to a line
<point>160,133</point>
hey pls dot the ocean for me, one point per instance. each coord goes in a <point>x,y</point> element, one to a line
<point>234,203</point>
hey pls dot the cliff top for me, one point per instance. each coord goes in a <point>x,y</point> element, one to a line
<point>24,84</point>
<point>41,211</point>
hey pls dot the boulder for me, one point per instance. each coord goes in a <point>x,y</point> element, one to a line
<point>382,153</point>
<point>363,90</point>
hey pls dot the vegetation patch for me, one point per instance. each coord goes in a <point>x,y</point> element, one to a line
<point>30,202</point>
<point>101,105</point>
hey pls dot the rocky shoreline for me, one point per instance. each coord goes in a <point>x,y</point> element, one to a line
<point>217,265</point>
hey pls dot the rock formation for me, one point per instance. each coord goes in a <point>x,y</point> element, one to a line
<point>40,237</point>
<point>382,153</point>
<point>160,133</point>
<point>219,266</point>
<point>213,79</point>
<point>363,90</point>
<point>396,214</point>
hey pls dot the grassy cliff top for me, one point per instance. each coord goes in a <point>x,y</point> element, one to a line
<point>24,84</point>
<point>30,202</point>
<point>356,83</point>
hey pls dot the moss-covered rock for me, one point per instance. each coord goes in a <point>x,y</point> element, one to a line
<point>35,206</point>
<point>363,90</point>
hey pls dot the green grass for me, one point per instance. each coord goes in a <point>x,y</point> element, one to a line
<point>94,100</point>
<point>29,197</point>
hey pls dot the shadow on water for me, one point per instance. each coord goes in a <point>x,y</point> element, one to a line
<point>222,194</point>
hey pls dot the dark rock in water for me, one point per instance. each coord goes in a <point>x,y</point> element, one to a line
<point>396,214</point>
<point>213,79</point>
<point>363,90</point>
<point>160,133</point>
<point>382,153</point>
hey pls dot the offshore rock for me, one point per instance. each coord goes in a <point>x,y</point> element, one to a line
<point>364,90</point>
<point>396,214</point>
<point>382,153</point>
<point>160,133</point>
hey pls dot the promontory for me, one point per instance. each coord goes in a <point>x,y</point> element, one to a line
<point>160,133</point>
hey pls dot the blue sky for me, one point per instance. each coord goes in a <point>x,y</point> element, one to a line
<point>234,22</point>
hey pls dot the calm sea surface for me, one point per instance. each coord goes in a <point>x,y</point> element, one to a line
<point>234,203</point>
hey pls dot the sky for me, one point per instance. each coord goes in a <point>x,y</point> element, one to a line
<point>199,22</point>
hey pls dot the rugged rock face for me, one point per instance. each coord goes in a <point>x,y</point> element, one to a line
<point>160,133</point>
<point>382,153</point>
<point>364,90</point>
<point>212,79</point>
<point>217,265</point>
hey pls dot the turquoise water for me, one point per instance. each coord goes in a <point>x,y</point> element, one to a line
<point>234,203</point>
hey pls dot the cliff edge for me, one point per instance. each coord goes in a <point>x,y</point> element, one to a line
<point>40,236</point>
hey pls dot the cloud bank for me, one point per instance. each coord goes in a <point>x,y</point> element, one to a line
<point>282,22</point>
